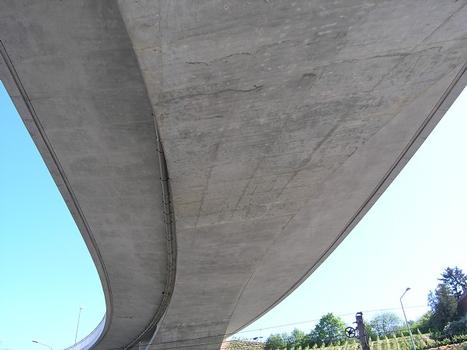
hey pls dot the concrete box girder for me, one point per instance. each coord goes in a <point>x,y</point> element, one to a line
<point>281,123</point>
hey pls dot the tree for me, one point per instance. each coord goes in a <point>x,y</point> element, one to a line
<point>443,304</point>
<point>369,330</point>
<point>385,323</point>
<point>456,327</point>
<point>296,338</point>
<point>423,324</point>
<point>330,329</point>
<point>276,341</point>
<point>455,280</point>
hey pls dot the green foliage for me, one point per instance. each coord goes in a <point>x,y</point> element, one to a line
<point>423,324</point>
<point>455,280</point>
<point>276,341</point>
<point>395,342</point>
<point>385,323</point>
<point>456,327</point>
<point>297,339</point>
<point>330,329</point>
<point>369,330</point>
<point>443,304</point>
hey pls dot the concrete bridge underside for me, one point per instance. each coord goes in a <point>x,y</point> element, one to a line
<point>281,122</point>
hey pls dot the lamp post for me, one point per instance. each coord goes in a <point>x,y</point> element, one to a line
<point>405,318</point>
<point>77,324</point>
<point>47,346</point>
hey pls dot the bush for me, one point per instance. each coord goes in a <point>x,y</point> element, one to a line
<point>456,327</point>
<point>460,338</point>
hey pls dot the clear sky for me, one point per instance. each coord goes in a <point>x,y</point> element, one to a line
<point>412,233</point>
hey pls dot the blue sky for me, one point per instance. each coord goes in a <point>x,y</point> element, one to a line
<point>411,234</point>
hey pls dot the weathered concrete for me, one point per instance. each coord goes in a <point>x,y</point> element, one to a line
<point>282,122</point>
<point>279,120</point>
<point>86,106</point>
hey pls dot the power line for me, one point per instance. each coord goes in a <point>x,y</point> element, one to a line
<point>226,335</point>
<point>315,320</point>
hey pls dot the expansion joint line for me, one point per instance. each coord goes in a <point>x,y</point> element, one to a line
<point>169,221</point>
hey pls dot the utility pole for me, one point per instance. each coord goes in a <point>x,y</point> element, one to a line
<point>362,335</point>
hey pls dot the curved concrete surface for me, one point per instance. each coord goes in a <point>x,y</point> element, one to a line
<point>282,122</point>
<point>91,339</point>
<point>71,71</point>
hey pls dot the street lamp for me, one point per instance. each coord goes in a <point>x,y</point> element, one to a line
<point>77,323</point>
<point>405,318</point>
<point>47,346</point>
